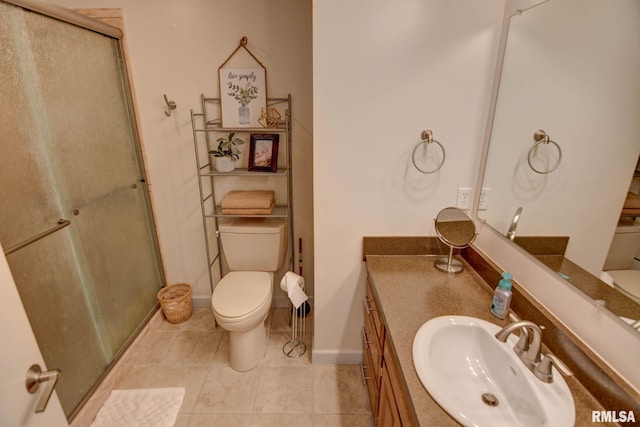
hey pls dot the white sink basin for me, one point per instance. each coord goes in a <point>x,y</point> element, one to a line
<point>466,370</point>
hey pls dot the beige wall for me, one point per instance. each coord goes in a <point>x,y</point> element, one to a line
<point>383,72</point>
<point>175,48</point>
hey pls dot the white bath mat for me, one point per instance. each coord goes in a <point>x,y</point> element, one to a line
<point>151,407</point>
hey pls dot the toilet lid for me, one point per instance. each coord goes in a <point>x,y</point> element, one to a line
<point>241,292</point>
<point>628,281</point>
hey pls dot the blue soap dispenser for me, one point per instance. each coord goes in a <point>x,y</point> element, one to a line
<point>502,297</point>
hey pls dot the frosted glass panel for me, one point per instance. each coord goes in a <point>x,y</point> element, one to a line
<point>68,150</point>
<point>117,251</point>
<point>60,310</point>
<point>23,135</point>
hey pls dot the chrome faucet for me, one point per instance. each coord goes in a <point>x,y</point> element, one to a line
<point>511,234</point>
<point>528,350</point>
<point>543,370</point>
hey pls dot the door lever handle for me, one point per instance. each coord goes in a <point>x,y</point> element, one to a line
<point>35,376</point>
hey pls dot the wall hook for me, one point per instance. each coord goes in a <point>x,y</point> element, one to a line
<point>170,106</point>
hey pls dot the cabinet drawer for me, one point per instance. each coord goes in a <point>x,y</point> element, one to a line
<point>372,347</point>
<point>371,379</point>
<point>372,310</point>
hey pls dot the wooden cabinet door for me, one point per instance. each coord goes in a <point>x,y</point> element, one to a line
<point>371,380</point>
<point>383,376</point>
<point>394,375</point>
<point>388,415</point>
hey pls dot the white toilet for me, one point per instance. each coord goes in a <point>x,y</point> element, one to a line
<point>254,249</point>
<point>624,248</point>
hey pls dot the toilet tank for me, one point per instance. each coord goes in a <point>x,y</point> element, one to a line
<point>253,244</point>
<point>624,246</point>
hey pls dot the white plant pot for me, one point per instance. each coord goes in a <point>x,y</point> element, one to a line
<point>224,164</point>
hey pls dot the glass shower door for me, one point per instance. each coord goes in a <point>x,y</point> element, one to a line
<point>68,150</point>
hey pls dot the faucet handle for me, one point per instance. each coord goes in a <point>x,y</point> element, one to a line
<point>543,369</point>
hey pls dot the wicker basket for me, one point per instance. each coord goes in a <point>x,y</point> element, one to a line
<point>175,301</point>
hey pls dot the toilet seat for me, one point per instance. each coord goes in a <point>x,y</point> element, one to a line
<point>628,281</point>
<point>241,294</point>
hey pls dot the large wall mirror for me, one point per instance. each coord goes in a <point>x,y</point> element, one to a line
<point>571,69</point>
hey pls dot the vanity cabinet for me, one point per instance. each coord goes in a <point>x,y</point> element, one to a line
<point>381,372</point>
<point>372,342</point>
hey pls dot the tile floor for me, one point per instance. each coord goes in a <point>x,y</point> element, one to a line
<point>281,391</point>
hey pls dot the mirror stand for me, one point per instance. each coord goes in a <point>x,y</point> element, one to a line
<point>449,265</point>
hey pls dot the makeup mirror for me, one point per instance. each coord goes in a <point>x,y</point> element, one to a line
<point>456,230</point>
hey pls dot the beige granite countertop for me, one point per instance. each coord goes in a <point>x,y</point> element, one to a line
<point>616,302</point>
<point>411,291</point>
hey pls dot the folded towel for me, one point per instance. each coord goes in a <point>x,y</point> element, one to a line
<point>632,201</point>
<point>630,212</point>
<point>293,285</point>
<point>253,199</point>
<point>249,211</point>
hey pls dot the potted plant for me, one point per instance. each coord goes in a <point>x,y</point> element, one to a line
<point>226,153</point>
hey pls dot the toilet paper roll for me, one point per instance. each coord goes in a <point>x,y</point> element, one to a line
<point>293,285</point>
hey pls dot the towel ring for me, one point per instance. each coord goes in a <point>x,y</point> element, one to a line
<point>427,137</point>
<point>541,137</point>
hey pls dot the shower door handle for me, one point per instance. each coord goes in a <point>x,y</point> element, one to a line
<point>35,376</point>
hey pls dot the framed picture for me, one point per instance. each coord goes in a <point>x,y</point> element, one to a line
<point>263,152</point>
<point>243,95</point>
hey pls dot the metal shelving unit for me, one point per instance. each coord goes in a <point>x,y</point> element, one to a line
<point>207,125</point>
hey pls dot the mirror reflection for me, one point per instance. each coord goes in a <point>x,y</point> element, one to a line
<point>572,70</point>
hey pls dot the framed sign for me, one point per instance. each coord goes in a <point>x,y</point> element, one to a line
<point>263,152</point>
<point>243,91</point>
<point>243,95</point>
